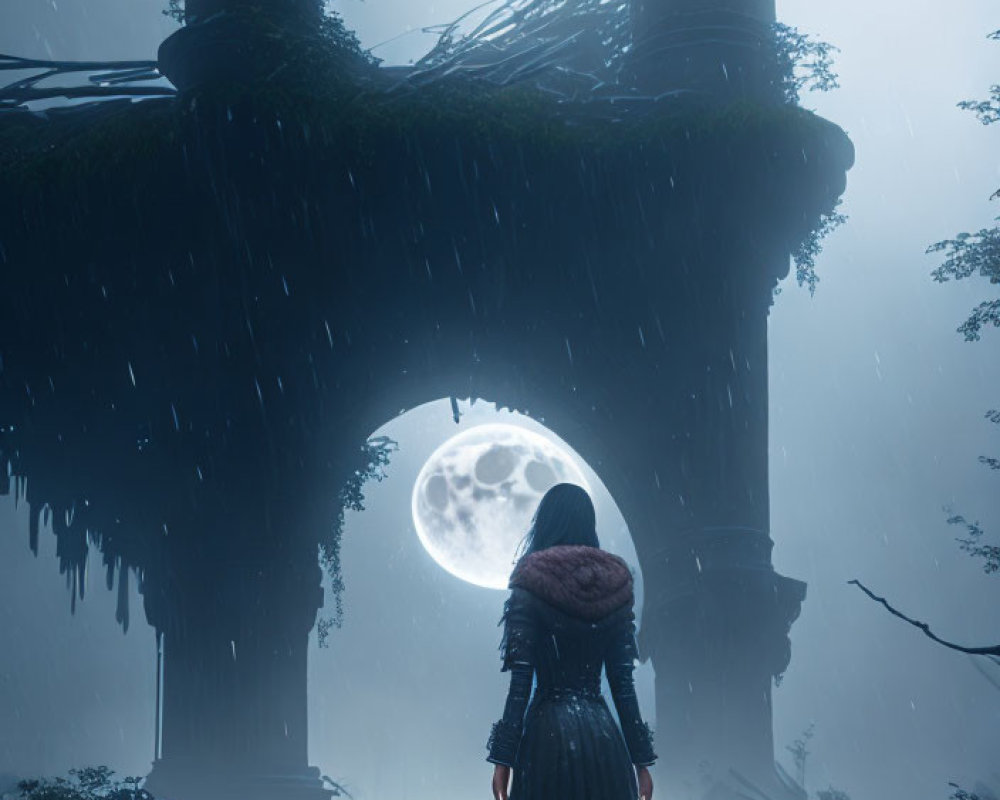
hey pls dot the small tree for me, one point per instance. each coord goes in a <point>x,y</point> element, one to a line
<point>966,255</point>
<point>800,752</point>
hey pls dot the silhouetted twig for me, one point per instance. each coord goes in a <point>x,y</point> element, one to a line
<point>992,676</point>
<point>976,651</point>
<point>338,790</point>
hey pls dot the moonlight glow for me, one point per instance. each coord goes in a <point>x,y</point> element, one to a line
<point>473,499</point>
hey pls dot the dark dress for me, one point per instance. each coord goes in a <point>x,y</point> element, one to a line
<point>568,614</point>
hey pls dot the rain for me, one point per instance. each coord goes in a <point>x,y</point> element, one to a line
<point>233,331</point>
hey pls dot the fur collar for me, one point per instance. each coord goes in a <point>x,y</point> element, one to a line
<point>584,582</point>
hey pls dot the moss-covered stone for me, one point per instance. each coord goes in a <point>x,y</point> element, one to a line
<point>144,140</point>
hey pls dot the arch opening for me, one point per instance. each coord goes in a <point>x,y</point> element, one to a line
<point>418,643</point>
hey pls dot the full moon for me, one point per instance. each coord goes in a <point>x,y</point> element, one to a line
<point>474,498</point>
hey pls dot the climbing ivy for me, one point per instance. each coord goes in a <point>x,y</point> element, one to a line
<point>374,458</point>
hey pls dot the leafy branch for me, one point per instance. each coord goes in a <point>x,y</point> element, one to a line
<point>971,254</point>
<point>805,63</point>
<point>993,415</point>
<point>972,544</point>
<point>975,253</point>
<point>988,110</point>
<point>805,256</point>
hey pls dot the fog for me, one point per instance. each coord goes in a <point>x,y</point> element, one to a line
<point>877,421</point>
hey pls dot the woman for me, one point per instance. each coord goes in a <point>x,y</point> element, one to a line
<point>569,612</point>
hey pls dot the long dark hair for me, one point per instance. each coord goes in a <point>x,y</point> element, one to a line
<point>565,515</point>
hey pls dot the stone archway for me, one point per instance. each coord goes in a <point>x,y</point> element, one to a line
<point>338,258</point>
<point>677,427</point>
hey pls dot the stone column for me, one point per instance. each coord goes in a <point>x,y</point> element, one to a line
<point>716,616</point>
<point>718,47</point>
<point>236,41</point>
<point>196,11</point>
<point>234,713</point>
<point>692,419</point>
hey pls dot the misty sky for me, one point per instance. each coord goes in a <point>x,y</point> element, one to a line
<point>876,424</point>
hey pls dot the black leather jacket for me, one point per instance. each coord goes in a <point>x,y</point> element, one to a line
<point>566,654</point>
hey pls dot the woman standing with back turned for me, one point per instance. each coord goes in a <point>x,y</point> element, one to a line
<point>569,613</point>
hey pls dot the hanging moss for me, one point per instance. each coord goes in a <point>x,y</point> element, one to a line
<point>191,287</point>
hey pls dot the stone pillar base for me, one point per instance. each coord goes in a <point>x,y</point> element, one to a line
<point>171,780</point>
<point>717,632</point>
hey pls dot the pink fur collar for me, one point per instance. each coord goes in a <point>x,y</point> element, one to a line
<point>584,582</point>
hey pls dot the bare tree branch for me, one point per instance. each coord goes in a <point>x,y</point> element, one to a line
<point>108,79</point>
<point>16,62</point>
<point>975,651</point>
<point>15,96</point>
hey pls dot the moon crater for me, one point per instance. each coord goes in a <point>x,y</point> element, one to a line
<point>474,497</point>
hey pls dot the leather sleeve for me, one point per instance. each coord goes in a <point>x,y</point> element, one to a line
<point>517,652</point>
<point>619,663</point>
<point>505,737</point>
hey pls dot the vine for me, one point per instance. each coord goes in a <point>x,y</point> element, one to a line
<point>374,458</point>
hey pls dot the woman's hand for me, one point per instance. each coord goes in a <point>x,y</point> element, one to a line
<point>645,783</point>
<point>501,780</point>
